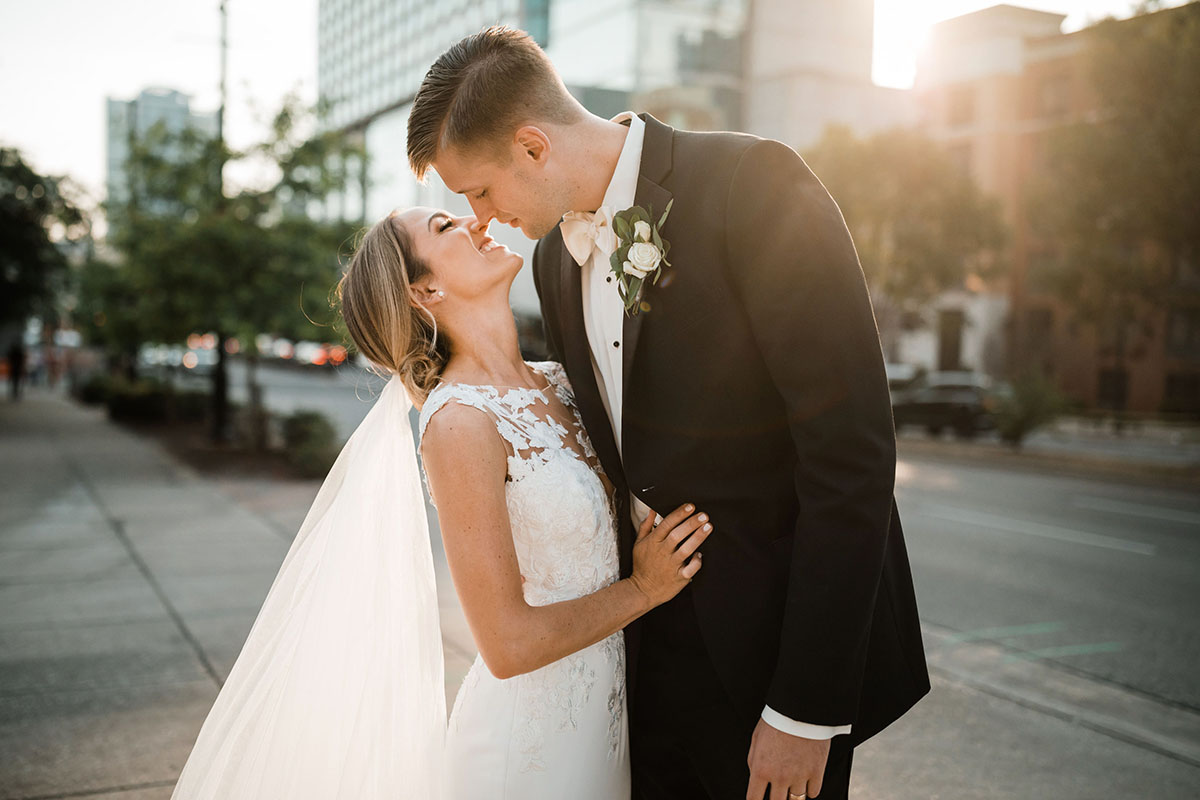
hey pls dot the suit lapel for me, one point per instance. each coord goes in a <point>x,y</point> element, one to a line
<point>578,356</point>
<point>655,166</point>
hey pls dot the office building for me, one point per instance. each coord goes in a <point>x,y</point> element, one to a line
<point>130,120</point>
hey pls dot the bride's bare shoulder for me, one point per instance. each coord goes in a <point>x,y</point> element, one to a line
<point>465,459</point>
<point>457,432</point>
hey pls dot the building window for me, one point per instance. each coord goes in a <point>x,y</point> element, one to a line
<point>1053,98</point>
<point>951,322</point>
<point>1183,333</point>
<point>1113,389</point>
<point>1187,274</point>
<point>961,106</point>
<point>1182,393</point>
<point>535,19</point>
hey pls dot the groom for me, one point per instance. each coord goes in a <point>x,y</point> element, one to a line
<point>748,379</point>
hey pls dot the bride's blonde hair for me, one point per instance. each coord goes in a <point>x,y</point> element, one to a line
<point>387,325</point>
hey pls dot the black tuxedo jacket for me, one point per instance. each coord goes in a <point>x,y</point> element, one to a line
<point>754,387</point>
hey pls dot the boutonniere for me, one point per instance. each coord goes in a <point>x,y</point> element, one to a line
<point>641,253</point>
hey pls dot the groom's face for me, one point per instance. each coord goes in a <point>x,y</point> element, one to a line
<point>509,186</point>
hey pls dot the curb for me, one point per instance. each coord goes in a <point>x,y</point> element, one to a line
<point>1003,457</point>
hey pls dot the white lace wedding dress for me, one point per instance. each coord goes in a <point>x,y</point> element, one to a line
<point>559,731</point>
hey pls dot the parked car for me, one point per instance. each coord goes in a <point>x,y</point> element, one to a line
<point>964,402</point>
<point>901,376</point>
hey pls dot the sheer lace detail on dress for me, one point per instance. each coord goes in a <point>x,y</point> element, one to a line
<point>525,418</point>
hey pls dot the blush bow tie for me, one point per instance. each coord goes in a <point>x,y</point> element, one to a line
<point>583,230</point>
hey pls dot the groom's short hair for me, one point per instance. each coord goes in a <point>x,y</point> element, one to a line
<point>480,91</point>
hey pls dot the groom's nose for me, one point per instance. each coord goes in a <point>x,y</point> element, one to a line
<point>483,211</point>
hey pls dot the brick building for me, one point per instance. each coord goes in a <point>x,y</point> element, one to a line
<point>994,86</point>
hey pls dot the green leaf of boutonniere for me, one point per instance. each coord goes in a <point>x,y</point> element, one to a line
<point>663,220</point>
<point>640,255</point>
<point>622,227</point>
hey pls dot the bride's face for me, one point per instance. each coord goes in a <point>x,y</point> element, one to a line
<point>466,263</point>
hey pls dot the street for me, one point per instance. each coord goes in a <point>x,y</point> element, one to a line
<point>1046,577</point>
<point>1100,578</point>
<point>1058,613</point>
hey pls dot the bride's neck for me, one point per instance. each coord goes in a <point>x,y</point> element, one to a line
<point>484,349</point>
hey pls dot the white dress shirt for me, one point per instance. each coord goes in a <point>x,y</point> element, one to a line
<point>604,318</point>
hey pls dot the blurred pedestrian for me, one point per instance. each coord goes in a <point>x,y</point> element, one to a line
<point>16,368</point>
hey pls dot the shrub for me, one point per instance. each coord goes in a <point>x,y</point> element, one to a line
<point>310,442</point>
<point>95,390</point>
<point>143,400</point>
<point>1033,403</point>
<point>190,406</point>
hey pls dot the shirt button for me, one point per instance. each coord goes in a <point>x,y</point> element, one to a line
<point>616,344</point>
<point>608,279</point>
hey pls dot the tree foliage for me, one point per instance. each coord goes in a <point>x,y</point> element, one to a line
<point>920,223</point>
<point>1119,198</point>
<point>38,222</point>
<point>260,260</point>
<point>195,258</point>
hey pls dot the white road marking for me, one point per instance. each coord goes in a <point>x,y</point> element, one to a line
<point>1056,532</point>
<point>1067,650</point>
<point>1138,510</point>
<point>1007,632</point>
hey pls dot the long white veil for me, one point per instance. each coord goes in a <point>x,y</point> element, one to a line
<point>338,693</point>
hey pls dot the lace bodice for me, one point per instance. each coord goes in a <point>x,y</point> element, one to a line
<point>553,720</point>
<point>560,513</point>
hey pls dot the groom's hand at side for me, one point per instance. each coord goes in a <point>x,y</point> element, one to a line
<point>784,763</point>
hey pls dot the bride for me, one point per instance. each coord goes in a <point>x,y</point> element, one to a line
<point>338,691</point>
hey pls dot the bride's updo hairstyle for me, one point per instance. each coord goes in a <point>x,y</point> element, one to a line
<point>387,325</point>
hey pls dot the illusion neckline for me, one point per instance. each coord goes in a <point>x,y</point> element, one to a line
<point>542,390</point>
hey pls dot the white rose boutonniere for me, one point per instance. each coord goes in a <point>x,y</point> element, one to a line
<point>640,255</point>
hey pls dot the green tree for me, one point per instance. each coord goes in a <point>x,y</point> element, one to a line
<point>1119,199</point>
<point>919,222</point>
<point>264,259</point>
<point>38,223</point>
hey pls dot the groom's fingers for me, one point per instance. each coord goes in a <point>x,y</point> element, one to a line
<point>757,789</point>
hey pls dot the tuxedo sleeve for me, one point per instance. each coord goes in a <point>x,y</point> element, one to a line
<point>549,330</point>
<point>794,270</point>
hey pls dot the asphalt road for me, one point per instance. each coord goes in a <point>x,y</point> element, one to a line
<point>1095,576</point>
<point>344,394</point>
<point>1060,605</point>
<point>1098,577</point>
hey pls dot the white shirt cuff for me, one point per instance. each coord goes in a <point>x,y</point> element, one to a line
<point>802,729</point>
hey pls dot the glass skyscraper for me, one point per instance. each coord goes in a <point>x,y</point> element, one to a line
<point>678,59</point>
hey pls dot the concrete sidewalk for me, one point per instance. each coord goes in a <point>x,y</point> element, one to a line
<point>128,583</point>
<point>127,586</point>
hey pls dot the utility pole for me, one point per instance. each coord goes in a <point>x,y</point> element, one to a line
<point>224,73</point>
<point>220,387</point>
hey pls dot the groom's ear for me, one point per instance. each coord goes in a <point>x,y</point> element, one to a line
<point>532,143</point>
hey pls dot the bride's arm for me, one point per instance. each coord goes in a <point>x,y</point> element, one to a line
<point>466,462</point>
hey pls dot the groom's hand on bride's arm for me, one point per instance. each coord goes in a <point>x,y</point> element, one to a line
<point>784,763</point>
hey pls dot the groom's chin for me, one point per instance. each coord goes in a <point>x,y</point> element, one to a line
<point>536,232</point>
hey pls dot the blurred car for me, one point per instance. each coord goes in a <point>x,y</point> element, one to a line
<point>198,361</point>
<point>320,354</point>
<point>964,402</point>
<point>901,376</point>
